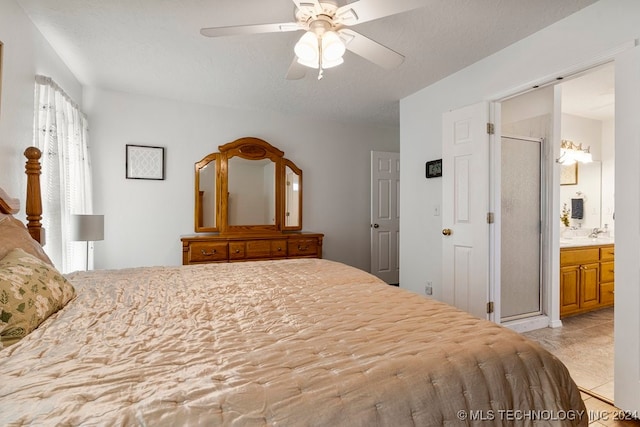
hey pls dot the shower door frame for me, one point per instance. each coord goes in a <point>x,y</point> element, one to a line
<point>541,236</point>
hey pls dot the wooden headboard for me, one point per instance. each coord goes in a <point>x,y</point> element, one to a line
<point>33,210</point>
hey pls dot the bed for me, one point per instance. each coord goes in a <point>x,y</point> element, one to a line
<point>297,342</point>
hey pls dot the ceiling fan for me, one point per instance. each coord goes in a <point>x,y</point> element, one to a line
<point>327,35</point>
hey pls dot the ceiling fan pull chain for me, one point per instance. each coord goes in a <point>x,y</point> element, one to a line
<point>320,70</point>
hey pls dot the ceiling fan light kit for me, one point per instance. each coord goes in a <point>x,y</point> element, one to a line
<point>327,37</point>
<point>320,47</point>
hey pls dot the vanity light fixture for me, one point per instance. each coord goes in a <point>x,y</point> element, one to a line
<point>570,153</point>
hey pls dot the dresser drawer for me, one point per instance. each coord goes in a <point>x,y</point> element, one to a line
<point>303,247</point>
<point>278,248</point>
<point>607,254</point>
<point>258,249</point>
<point>242,247</point>
<point>579,256</point>
<point>237,250</point>
<point>607,271</point>
<point>208,251</point>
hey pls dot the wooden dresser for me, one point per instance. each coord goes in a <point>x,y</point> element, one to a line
<point>248,205</point>
<point>204,248</point>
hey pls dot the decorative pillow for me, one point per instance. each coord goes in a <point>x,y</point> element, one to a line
<point>30,291</point>
<point>14,234</point>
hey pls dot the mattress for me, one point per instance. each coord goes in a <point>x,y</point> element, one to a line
<point>304,342</point>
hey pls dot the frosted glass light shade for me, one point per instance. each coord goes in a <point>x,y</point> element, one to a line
<point>307,48</point>
<point>571,153</point>
<point>332,47</point>
<point>87,228</point>
<point>331,64</point>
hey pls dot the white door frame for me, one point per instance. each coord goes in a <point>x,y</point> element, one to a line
<point>627,299</point>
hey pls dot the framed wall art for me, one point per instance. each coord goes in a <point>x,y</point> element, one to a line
<point>434,168</point>
<point>569,174</point>
<point>144,162</point>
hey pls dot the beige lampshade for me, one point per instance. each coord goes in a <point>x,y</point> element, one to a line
<point>87,228</point>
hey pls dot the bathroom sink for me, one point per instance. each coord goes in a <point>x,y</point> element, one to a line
<point>585,241</point>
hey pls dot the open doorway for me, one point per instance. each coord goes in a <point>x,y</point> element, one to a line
<point>586,198</point>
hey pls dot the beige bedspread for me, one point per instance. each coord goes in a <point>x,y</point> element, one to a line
<point>291,342</point>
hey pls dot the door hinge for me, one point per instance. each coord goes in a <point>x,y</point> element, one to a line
<point>489,217</point>
<point>490,307</point>
<point>490,129</point>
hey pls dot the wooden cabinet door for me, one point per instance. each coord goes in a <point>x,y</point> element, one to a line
<point>569,289</point>
<point>589,285</point>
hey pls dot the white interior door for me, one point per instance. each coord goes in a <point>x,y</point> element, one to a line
<point>627,217</point>
<point>385,216</point>
<point>465,204</point>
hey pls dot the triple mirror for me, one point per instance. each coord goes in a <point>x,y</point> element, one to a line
<point>248,186</point>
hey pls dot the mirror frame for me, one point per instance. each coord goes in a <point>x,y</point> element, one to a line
<point>249,148</point>
<point>198,211</point>
<point>288,163</point>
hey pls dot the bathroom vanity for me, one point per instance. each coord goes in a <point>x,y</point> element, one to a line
<point>586,274</point>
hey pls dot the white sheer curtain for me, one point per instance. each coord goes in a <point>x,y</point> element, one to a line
<point>61,133</point>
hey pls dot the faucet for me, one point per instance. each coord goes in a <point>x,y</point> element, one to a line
<point>595,232</point>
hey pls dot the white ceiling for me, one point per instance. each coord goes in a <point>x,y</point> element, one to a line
<point>153,47</point>
<point>592,94</point>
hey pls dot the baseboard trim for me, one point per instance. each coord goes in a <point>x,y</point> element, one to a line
<point>555,323</point>
<point>528,324</point>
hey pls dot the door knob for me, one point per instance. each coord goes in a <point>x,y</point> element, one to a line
<point>376,225</point>
<point>446,231</point>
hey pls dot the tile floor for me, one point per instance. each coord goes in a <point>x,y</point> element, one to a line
<point>585,346</point>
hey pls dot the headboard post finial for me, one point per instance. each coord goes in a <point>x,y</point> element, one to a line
<point>34,198</point>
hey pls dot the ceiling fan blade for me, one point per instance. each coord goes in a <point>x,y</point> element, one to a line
<point>308,7</point>
<point>369,10</point>
<point>239,30</point>
<point>371,50</point>
<point>296,70</point>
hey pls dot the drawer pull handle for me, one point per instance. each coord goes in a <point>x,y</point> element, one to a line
<point>205,253</point>
<point>303,248</point>
<point>237,251</point>
<point>279,249</point>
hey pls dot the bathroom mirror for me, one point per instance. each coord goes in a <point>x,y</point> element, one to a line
<point>589,189</point>
<point>248,186</point>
